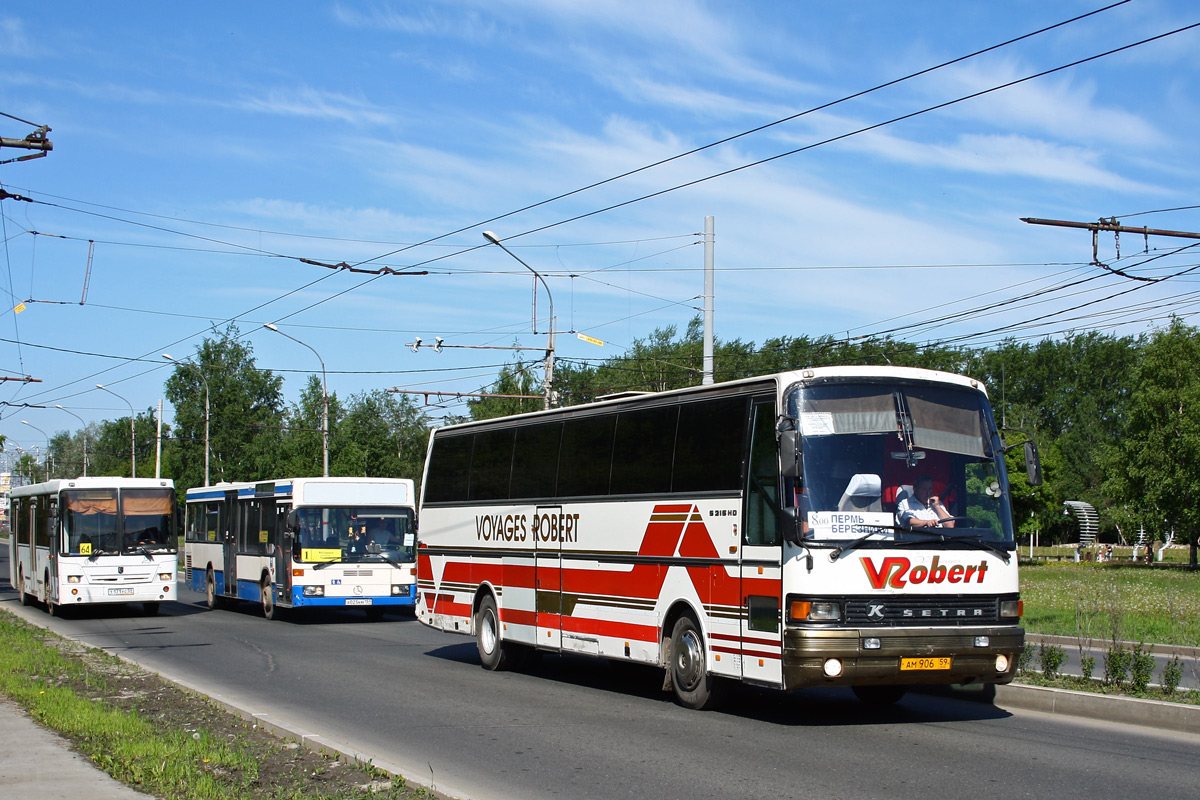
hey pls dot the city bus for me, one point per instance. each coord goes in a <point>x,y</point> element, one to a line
<point>303,543</point>
<point>87,541</point>
<point>762,531</point>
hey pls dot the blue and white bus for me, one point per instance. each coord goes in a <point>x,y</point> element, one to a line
<point>303,542</point>
<point>86,541</point>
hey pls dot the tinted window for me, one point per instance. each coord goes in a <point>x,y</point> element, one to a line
<point>491,465</point>
<point>535,462</point>
<point>449,466</point>
<point>642,452</point>
<point>586,456</point>
<point>709,445</point>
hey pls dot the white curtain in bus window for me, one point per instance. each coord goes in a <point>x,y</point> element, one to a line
<point>944,424</point>
<point>866,413</point>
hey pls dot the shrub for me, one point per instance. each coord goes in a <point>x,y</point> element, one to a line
<point>1116,665</point>
<point>1141,668</point>
<point>1051,658</point>
<point>1087,665</point>
<point>1172,673</point>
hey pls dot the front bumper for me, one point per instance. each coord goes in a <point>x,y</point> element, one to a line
<point>806,650</point>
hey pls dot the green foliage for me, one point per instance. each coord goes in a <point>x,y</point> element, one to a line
<point>1172,674</point>
<point>245,413</point>
<point>1116,665</point>
<point>1050,659</point>
<point>1141,668</point>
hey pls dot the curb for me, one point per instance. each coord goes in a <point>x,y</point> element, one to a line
<point>1099,644</point>
<point>1157,714</point>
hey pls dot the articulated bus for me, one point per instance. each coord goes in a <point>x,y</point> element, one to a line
<point>86,541</point>
<point>778,531</point>
<point>303,542</point>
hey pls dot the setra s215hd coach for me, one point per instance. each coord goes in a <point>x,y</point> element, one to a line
<point>836,526</point>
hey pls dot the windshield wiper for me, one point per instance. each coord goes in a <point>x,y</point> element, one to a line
<point>942,537</point>
<point>875,529</point>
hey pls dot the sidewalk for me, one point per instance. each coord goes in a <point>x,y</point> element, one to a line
<point>39,764</point>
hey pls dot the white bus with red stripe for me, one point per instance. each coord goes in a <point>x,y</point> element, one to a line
<point>749,531</point>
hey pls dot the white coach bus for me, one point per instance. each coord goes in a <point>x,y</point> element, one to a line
<point>92,540</point>
<point>845,526</point>
<point>303,542</point>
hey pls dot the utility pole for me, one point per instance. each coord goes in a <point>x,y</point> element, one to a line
<point>708,301</point>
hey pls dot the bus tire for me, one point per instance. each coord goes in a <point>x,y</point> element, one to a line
<point>694,687</point>
<point>210,590</point>
<point>150,609</point>
<point>270,610</point>
<point>879,695</point>
<point>493,652</point>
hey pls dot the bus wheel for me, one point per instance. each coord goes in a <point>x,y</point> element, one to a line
<point>150,609</point>
<point>879,695</point>
<point>268,598</point>
<point>210,590</point>
<point>693,686</point>
<point>492,652</point>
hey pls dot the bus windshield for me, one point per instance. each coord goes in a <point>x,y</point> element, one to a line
<point>355,533</point>
<point>889,463</point>
<point>100,521</point>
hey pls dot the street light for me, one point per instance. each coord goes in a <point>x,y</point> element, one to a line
<point>199,372</point>
<point>549,381</point>
<point>82,431</point>
<point>324,396</point>
<point>132,438</point>
<point>46,464</point>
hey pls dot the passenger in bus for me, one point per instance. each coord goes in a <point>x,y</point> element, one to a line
<point>922,508</point>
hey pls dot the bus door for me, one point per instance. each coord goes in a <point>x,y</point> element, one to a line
<point>232,524</point>
<point>761,634</point>
<point>547,577</point>
<point>283,554</point>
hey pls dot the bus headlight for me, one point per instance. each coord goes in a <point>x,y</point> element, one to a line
<point>314,591</point>
<point>813,610</point>
<point>1012,608</point>
<point>1001,663</point>
<point>164,576</point>
<point>74,579</point>
<point>399,590</point>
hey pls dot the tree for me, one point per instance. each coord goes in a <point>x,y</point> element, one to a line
<point>301,449</point>
<point>514,379</point>
<point>246,406</point>
<point>381,435</point>
<point>1153,466</point>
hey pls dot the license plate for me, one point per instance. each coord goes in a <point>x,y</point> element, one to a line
<point>120,591</point>
<point>909,664</point>
<point>358,601</point>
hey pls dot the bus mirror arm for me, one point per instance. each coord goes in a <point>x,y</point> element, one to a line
<point>1033,463</point>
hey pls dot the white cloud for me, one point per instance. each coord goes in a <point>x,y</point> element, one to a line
<point>13,41</point>
<point>306,101</point>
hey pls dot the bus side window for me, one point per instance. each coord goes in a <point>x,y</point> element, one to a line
<point>762,479</point>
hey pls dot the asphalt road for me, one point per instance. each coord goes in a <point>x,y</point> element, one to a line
<point>580,728</point>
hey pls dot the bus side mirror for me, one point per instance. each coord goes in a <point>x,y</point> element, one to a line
<point>1033,464</point>
<point>791,460</point>
<point>292,523</point>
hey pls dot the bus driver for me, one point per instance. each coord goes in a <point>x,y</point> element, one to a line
<point>922,508</point>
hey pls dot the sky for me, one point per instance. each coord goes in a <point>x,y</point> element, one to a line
<point>866,168</point>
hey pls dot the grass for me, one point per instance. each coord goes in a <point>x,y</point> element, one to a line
<point>1109,602</point>
<point>165,740</point>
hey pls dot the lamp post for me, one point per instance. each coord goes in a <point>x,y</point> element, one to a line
<point>324,396</point>
<point>82,432</point>
<point>548,383</point>
<point>132,436</point>
<point>204,380</point>
<point>46,464</point>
